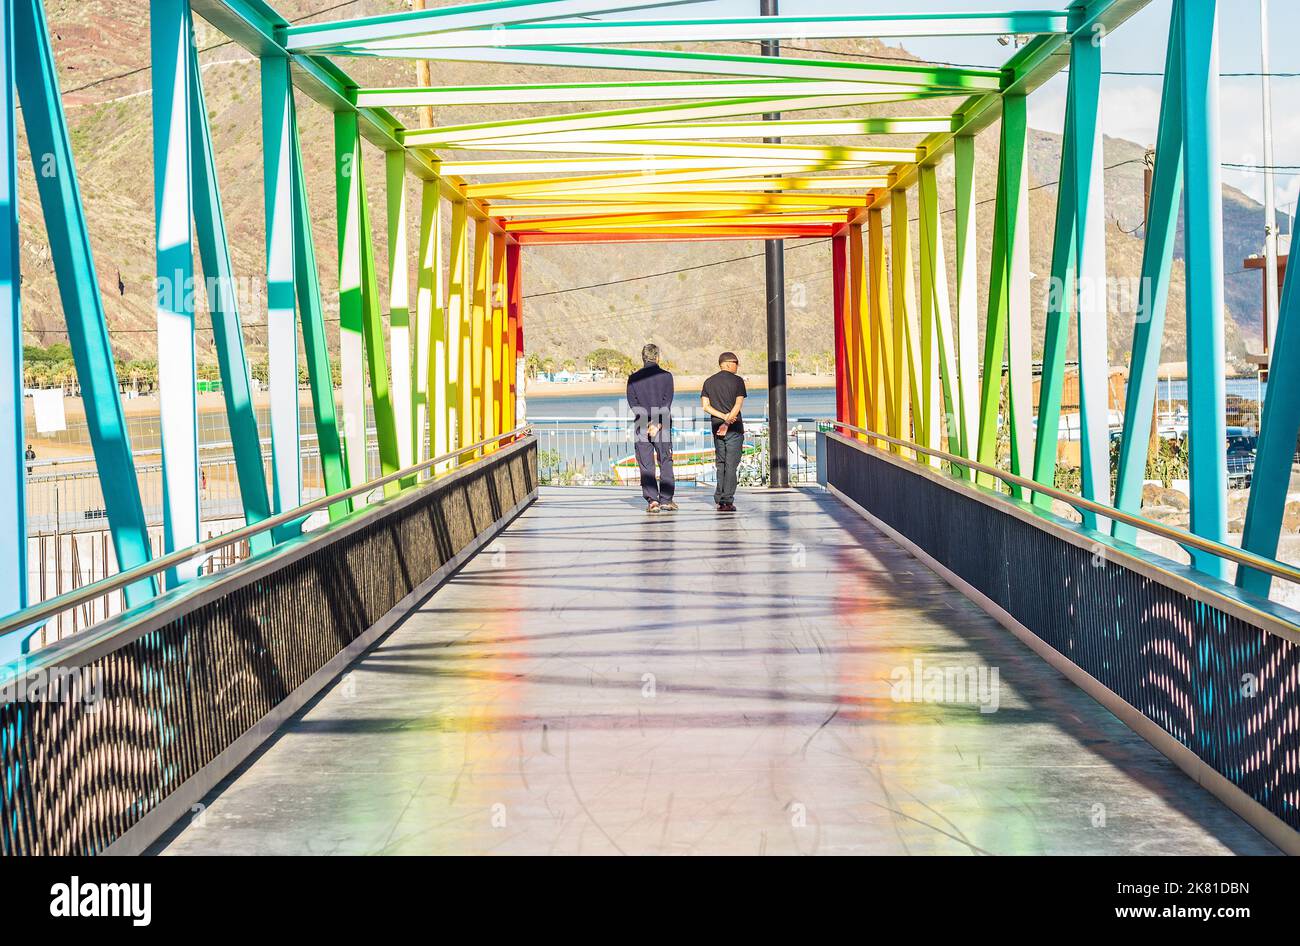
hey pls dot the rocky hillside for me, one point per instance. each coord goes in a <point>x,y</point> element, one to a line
<point>691,298</point>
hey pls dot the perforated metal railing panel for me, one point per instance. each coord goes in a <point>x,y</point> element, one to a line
<point>77,773</point>
<point>1225,688</point>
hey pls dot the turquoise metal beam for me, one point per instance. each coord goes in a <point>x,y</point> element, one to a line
<point>1061,298</point>
<point>1084,130</point>
<point>1203,207</point>
<point>739,29</point>
<point>1279,426</point>
<point>927,78</point>
<point>223,303</point>
<point>467,16</point>
<point>13,472</point>
<point>1153,290</point>
<point>315,346</point>
<point>74,267</point>
<point>170,36</point>
<point>281,318</point>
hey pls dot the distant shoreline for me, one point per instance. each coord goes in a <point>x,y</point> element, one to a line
<point>684,382</point>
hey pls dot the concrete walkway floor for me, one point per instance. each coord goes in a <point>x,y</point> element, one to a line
<point>603,681</point>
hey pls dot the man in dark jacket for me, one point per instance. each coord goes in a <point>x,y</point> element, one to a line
<point>722,397</point>
<point>650,395</point>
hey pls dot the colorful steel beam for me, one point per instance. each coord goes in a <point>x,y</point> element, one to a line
<point>1207,433</point>
<point>729,29</point>
<point>13,470</point>
<point>227,327</point>
<point>672,160</point>
<point>281,301</point>
<point>312,318</point>
<point>1153,290</point>
<point>83,308</point>
<point>171,36</point>
<point>832,93</point>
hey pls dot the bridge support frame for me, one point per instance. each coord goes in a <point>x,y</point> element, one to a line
<point>1203,208</point>
<point>1153,299</point>
<point>36,78</point>
<point>171,33</point>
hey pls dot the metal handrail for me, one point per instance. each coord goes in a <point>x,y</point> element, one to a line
<point>38,612</point>
<point>1182,537</point>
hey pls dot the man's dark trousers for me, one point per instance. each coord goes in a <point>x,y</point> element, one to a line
<point>660,490</point>
<point>727,451</point>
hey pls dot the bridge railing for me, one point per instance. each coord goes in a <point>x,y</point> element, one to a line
<point>110,735</point>
<point>1205,671</point>
<point>598,451</point>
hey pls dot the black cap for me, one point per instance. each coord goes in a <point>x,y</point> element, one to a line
<point>727,356</point>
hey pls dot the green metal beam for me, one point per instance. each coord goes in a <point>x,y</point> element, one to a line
<point>1061,298</point>
<point>399,306</point>
<point>833,93</point>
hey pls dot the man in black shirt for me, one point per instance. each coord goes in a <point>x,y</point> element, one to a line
<point>650,395</point>
<point>722,397</point>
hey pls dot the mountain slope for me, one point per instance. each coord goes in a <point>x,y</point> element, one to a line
<point>708,296</point>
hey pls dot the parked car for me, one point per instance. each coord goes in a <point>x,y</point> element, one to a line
<point>1241,459</point>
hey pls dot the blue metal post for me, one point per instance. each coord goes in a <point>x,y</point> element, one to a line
<point>1153,297</point>
<point>13,475</point>
<point>1277,443</point>
<point>1207,430</point>
<point>1090,270</point>
<point>170,35</point>
<point>281,323</point>
<point>74,267</point>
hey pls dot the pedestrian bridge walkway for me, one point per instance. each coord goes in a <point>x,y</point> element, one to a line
<point>597,680</point>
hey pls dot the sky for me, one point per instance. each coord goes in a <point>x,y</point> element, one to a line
<point>1130,104</point>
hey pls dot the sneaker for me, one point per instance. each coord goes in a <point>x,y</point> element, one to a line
<point>653,507</point>
<point>668,506</point>
<point>726,507</point>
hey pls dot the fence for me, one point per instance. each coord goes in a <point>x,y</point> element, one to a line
<point>1204,671</point>
<point>113,734</point>
<point>598,451</point>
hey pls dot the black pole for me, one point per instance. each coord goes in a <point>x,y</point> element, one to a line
<point>774,260</point>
